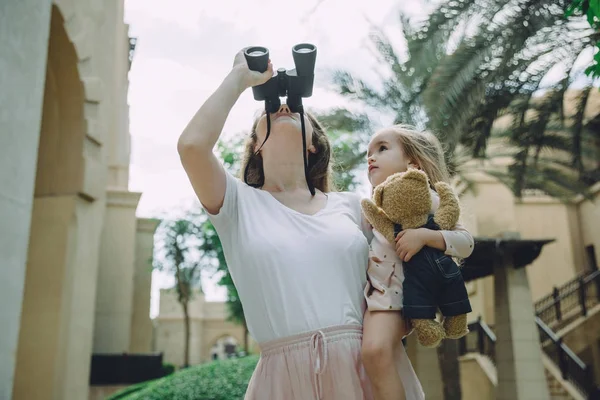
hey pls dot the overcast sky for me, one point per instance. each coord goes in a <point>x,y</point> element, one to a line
<point>186,47</point>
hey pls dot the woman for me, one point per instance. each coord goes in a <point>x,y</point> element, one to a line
<point>298,261</point>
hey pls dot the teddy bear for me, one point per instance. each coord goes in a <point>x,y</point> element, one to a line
<point>432,280</point>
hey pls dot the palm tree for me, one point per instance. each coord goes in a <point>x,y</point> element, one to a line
<point>349,134</point>
<point>178,253</point>
<point>474,61</point>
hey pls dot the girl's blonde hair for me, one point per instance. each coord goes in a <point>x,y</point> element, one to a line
<point>319,163</point>
<point>424,149</point>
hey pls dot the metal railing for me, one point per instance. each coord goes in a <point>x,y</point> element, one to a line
<point>481,339</point>
<point>571,300</point>
<point>571,367</point>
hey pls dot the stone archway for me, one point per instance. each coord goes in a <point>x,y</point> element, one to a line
<point>55,335</point>
<point>223,347</point>
<point>217,331</point>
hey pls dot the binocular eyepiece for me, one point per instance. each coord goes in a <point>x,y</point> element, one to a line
<point>293,84</point>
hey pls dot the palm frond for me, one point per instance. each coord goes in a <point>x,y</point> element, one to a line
<point>357,89</point>
<point>343,119</point>
<point>577,128</point>
<point>475,73</point>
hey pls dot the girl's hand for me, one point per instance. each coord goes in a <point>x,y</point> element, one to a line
<point>409,242</point>
<point>246,77</point>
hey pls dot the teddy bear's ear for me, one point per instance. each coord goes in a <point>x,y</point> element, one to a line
<point>416,174</point>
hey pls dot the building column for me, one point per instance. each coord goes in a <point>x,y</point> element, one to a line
<point>518,349</point>
<point>141,325</point>
<point>24,32</point>
<point>426,364</point>
<point>114,295</point>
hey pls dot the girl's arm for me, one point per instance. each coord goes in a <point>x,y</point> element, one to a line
<point>458,242</point>
<point>455,243</point>
<point>195,145</point>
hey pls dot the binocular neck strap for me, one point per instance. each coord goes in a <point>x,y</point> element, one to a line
<point>304,152</point>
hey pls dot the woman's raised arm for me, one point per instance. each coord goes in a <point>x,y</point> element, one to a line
<point>196,143</point>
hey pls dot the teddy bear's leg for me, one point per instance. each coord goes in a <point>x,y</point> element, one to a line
<point>429,332</point>
<point>456,326</point>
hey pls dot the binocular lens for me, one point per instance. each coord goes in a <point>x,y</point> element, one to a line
<point>304,48</point>
<point>256,51</point>
<point>257,58</point>
<point>304,55</point>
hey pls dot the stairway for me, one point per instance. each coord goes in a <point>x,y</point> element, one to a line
<point>557,391</point>
<point>483,370</point>
<point>479,347</point>
<point>568,377</point>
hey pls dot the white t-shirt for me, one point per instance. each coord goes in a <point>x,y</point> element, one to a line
<point>294,272</point>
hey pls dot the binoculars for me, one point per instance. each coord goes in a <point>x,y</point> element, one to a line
<point>293,84</point>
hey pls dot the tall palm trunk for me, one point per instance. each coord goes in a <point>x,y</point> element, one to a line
<point>186,316</point>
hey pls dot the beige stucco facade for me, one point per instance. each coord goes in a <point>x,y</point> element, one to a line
<point>141,325</point>
<point>575,226</point>
<point>75,260</point>
<point>208,327</point>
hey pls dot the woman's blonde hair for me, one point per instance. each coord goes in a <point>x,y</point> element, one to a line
<point>424,149</point>
<point>319,163</point>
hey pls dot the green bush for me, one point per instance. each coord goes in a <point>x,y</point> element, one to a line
<point>125,393</point>
<point>219,380</point>
<point>168,368</point>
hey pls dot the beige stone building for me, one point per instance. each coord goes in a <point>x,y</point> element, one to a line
<point>74,257</point>
<point>561,285</point>
<point>210,331</point>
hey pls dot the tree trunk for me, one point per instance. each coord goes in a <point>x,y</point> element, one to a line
<point>450,369</point>
<point>245,337</point>
<point>186,318</point>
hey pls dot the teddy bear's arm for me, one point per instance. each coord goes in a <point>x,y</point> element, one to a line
<point>378,219</point>
<point>448,212</point>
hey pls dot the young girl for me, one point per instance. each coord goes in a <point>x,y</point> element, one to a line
<point>392,150</point>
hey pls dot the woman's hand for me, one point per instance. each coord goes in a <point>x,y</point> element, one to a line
<point>410,241</point>
<point>246,77</point>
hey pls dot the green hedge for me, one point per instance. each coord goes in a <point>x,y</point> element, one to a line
<point>219,380</point>
<point>168,368</point>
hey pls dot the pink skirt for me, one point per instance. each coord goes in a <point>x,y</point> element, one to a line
<point>320,365</point>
